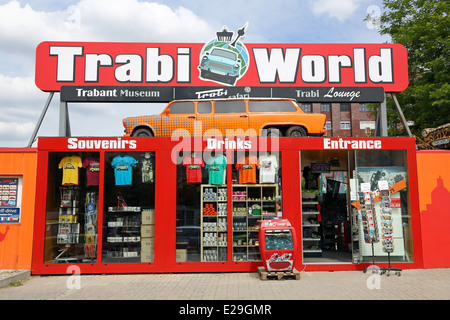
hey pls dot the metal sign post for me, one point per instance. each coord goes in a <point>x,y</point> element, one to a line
<point>41,118</point>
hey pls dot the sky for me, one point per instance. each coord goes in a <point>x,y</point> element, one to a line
<point>26,23</point>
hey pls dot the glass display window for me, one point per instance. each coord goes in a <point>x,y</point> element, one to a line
<point>71,231</point>
<point>129,207</point>
<point>338,226</point>
<point>256,195</point>
<point>389,205</point>
<point>201,224</point>
<point>216,218</point>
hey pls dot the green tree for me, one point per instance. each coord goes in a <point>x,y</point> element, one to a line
<point>423,27</point>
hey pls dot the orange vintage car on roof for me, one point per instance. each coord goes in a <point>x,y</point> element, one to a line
<point>228,117</point>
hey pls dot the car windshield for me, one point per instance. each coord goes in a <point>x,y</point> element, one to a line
<point>224,54</point>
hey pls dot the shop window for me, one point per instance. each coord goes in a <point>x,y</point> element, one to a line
<point>334,224</point>
<point>270,106</point>
<point>72,208</point>
<point>256,195</point>
<point>201,228</point>
<point>204,214</point>
<point>129,207</point>
<point>392,229</point>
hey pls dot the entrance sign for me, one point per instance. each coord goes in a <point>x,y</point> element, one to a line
<point>296,66</point>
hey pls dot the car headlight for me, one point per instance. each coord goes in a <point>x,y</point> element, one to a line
<point>236,65</point>
<point>205,58</point>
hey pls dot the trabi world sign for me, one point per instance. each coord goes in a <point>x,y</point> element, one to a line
<point>223,61</point>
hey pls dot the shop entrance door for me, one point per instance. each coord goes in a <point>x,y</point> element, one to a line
<point>326,216</point>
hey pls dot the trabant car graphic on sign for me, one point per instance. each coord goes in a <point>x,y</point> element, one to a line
<point>228,117</point>
<point>220,64</point>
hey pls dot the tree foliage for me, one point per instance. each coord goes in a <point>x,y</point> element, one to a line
<point>423,27</point>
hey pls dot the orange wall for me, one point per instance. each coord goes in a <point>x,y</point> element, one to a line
<point>433,173</point>
<point>16,240</point>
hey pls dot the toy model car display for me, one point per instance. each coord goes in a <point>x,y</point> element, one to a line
<point>228,117</point>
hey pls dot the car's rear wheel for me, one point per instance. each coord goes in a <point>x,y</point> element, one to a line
<point>142,132</point>
<point>296,131</point>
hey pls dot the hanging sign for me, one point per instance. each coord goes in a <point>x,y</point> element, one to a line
<point>224,61</point>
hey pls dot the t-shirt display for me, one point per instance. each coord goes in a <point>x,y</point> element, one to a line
<point>247,169</point>
<point>146,165</point>
<point>92,166</point>
<point>123,169</point>
<point>194,165</point>
<point>70,166</point>
<point>268,168</point>
<point>311,178</point>
<point>217,167</point>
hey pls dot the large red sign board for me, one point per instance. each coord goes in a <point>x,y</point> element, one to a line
<point>180,65</point>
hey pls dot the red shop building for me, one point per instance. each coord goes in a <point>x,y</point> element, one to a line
<point>124,205</point>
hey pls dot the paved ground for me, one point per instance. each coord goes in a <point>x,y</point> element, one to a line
<point>427,284</point>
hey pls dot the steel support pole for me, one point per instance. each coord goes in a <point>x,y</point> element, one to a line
<point>401,115</point>
<point>64,122</point>
<point>41,118</point>
<point>381,124</point>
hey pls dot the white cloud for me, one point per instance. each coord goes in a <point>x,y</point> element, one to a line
<point>341,10</point>
<point>15,133</point>
<point>22,28</point>
<point>26,23</point>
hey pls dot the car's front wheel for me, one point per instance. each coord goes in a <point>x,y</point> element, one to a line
<point>296,131</point>
<point>142,132</point>
<point>273,133</point>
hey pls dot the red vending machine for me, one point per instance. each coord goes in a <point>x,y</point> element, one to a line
<point>277,245</point>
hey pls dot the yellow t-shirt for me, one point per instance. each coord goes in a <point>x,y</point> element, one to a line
<point>70,167</point>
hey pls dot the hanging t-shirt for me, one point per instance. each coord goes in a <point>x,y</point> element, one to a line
<point>247,169</point>
<point>70,165</point>
<point>92,166</point>
<point>146,164</point>
<point>310,178</point>
<point>268,168</point>
<point>194,165</point>
<point>123,169</point>
<point>217,169</point>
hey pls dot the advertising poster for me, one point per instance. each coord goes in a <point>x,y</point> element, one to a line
<point>10,189</point>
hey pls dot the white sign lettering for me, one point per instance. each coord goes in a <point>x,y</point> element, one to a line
<point>81,144</point>
<point>342,144</point>
<point>228,144</point>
